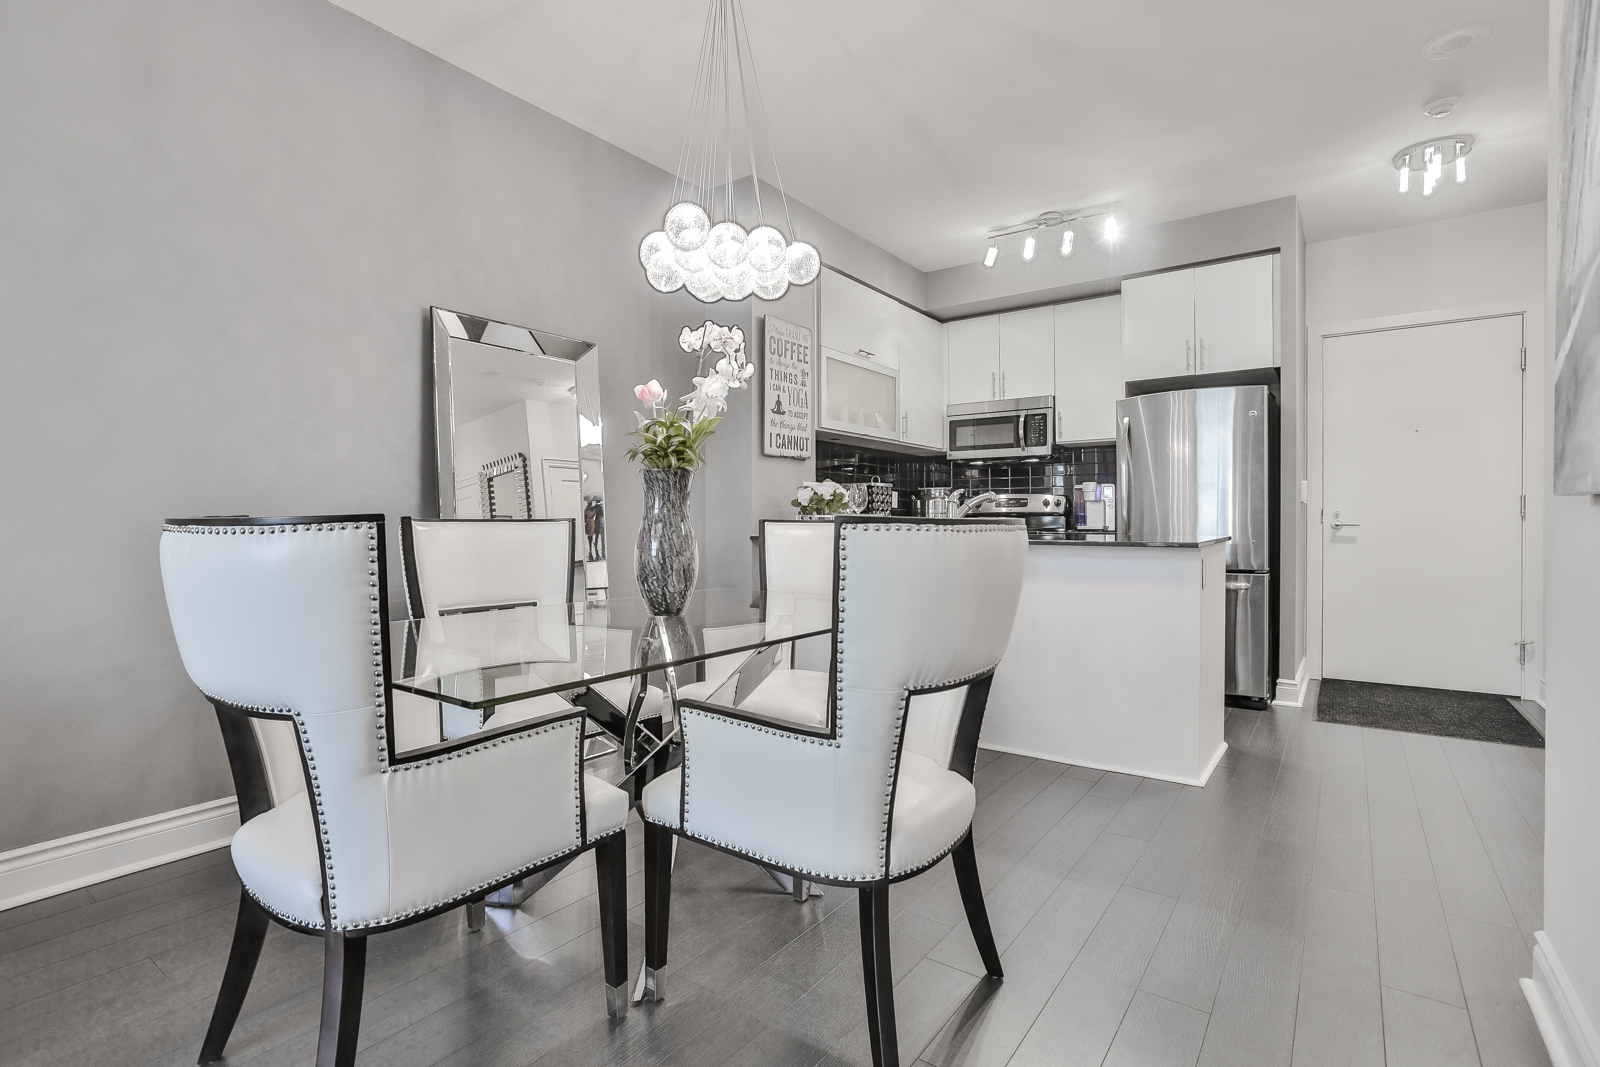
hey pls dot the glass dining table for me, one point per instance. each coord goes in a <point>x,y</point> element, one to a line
<point>488,670</point>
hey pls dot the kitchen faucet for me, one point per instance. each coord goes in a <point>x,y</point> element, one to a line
<point>963,509</point>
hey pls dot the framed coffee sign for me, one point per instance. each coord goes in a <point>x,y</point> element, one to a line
<point>787,402</point>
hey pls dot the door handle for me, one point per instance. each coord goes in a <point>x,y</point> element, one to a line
<point>1337,525</point>
<point>1124,478</point>
<point>1238,587</point>
<point>1188,354</point>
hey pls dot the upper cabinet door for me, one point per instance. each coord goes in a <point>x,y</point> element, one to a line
<point>1158,325</point>
<point>1089,377</point>
<point>922,379</point>
<point>973,355</point>
<point>857,320</point>
<point>1027,353</point>
<point>1233,320</point>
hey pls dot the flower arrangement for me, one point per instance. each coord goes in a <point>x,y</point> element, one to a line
<point>819,498</point>
<point>675,436</point>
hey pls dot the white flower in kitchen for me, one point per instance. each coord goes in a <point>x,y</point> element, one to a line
<point>820,498</point>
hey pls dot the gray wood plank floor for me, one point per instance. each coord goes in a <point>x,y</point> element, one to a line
<point>1335,896</point>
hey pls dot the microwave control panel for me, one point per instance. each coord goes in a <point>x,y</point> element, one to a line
<point>1036,429</point>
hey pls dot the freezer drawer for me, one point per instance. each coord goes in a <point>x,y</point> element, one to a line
<point>1249,636</point>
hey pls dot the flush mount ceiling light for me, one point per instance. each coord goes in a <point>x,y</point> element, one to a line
<point>1452,44</point>
<point>722,260</point>
<point>1427,159</point>
<point>1442,107</point>
<point>1112,228</point>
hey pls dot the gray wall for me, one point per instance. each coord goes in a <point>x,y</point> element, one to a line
<point>1096,269</point>
<point>221,225</point>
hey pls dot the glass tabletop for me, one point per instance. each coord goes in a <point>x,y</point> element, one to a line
<point>481,660</point>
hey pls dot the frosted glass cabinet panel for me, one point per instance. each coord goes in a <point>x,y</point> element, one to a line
<point>859,396</point>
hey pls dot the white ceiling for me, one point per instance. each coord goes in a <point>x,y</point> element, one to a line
<point>486,378</point>
<point>922,124</point>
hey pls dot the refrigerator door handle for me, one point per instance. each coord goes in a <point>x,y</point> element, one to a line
<point>1238,587</point>
<point>1124,478</point>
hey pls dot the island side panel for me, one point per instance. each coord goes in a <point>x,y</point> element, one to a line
<point>1213,658</point>
<point>1104,664</point>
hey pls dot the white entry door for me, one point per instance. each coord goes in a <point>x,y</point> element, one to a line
<point>1422,506</point>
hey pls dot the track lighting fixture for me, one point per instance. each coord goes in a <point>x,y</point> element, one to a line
<point>1427,158</point>
<point>1112,228</point>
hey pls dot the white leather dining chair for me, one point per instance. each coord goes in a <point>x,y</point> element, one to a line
<point>284,620</point>
<point>461,565</point>
<point>922,607</point>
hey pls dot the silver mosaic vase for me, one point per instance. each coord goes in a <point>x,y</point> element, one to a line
<point>668,558</point>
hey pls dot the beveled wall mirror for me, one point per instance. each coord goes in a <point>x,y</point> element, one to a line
<point>518,424</point>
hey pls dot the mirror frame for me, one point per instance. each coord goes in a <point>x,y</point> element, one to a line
<point>448,325</point>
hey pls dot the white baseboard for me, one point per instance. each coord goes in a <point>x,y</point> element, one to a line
<point>1532,710</point>
<point>1292,691</point>
<point>50,867</point>
<point>1568,1032</point>
<point>1137,772</point>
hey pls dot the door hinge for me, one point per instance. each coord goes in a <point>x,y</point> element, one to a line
<point>1524,357</point>
<point>1524,649</point>
<point>1524,506</point>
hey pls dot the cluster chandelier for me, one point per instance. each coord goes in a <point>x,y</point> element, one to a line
<point>722,260</point>
<point>1429,158</point>
<point>1110,228</point>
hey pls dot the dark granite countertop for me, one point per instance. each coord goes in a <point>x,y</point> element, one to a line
<point>1092,537</point>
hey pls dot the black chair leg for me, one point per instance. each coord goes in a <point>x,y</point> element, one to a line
<point>657,907</point>
<point>878,974</point>
<point>611,868</point>
<point>965,858</point>
<point>249,933</point>
<point>344,968</point>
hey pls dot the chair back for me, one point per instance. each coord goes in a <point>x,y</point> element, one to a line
<point>457,565</point>
<point>285,618</point>
<point>797,580</point>
<point>920,606</point>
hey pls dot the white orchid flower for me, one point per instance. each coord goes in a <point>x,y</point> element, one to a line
<point>690,340</point>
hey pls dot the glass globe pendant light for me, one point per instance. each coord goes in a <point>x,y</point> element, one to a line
<point>702,246</point>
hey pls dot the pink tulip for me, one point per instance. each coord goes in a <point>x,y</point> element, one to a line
<point>650,393</point>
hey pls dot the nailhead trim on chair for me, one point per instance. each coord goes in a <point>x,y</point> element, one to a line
<point>376,627</point>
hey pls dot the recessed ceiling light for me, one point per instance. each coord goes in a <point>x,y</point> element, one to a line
<point>1447,45</point>
<point>1442,107</point>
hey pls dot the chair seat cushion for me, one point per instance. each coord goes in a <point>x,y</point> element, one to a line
<point>605,807</point>
<point>932,810</point>
<point>799,698</point>
<point>278,861</point>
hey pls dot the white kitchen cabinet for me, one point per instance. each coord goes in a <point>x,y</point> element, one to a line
<point>1089,375</point>
<point>1027,353</point>
<point>1233,322</point>
<point>922,378</point>
<point>1158,325</point>
<point>1200,320</point>
<point>973,359</point>
<point>856,319</point>
<point>859,396</point>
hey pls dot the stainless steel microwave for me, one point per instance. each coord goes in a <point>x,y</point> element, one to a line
<point>1000,429</point>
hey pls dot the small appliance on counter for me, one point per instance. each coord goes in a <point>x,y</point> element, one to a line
<point>933,501</point>
<point>1000,429</point>
<point>1094,505</point>
<point>1046,514</point>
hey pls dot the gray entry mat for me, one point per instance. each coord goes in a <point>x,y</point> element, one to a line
<point>1444,712</point>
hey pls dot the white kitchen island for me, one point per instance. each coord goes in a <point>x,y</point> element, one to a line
<point>1116,658</point>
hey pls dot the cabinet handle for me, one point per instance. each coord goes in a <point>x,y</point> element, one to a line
<point>994,393</point>
<point>1188,354</point>
<point>1200,352</point>
<point>1002,385</point>
<point>864,352</point>
<point>904,424</point>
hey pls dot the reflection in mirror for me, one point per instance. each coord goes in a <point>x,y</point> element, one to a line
<point>519,429</point>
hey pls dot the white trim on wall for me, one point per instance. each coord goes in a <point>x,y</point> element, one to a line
<point>1292,691</point>
<point>34,872</point>
<point>1569,1034</point>
<point>1533,475</point>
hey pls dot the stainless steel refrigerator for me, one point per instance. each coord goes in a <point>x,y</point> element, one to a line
<point>1201,463</point>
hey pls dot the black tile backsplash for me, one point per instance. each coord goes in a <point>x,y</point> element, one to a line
<point>1059,472</point>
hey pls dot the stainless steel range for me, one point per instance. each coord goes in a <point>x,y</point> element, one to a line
<point>1045,513</point>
